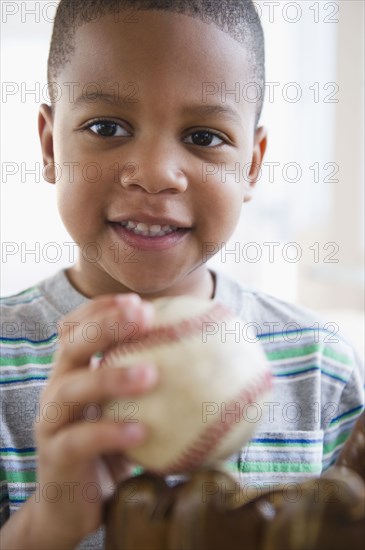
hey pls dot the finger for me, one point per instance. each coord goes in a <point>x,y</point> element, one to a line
<point>108,327</point>
<point>83,441</point>
<point>94,306</point>
<point>81,393</point>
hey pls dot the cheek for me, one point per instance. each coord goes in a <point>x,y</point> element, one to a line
<point>222,204</point>
<point>80,204</point>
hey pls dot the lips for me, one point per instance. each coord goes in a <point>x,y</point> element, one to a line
<point>149,233</point>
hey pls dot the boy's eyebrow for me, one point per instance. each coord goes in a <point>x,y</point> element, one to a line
<point>213,109</point>
<point>199,109</point>
<point>91,98</point>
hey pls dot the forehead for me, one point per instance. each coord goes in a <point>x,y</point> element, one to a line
<point>156,48</point>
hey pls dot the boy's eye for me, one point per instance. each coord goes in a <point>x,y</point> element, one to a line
<point>205,138</point>
<point>107,128</point>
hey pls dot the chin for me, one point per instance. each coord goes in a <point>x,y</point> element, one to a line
<point>147,287</point>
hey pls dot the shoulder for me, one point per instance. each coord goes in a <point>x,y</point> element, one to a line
<point>21,311</point>
<point>261,307</point>
<point>30,329</point>
<point>38,307</point>
<point>290,332</point>
<point>28,336</point>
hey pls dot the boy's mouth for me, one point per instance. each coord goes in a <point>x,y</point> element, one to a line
<point>150,234</point>
<point>148,230</point>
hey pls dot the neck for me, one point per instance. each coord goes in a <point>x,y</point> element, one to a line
<point>200,283</point>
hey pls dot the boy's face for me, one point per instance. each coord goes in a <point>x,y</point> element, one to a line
<point>157,156</point>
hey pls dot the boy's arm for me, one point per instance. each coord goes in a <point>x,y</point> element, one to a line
<point>70,448</point>
<point>19,532</point>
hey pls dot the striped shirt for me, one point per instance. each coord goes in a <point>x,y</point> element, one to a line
<point>317,392</point>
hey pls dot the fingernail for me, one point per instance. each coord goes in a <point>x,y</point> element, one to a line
<point>133,299</point>
<point>147,372</point>
<point>133,432</point>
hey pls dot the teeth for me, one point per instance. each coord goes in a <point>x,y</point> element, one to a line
<point>144,229</point>
<point>155,228</point>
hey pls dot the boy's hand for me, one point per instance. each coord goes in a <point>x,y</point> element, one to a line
<point>71,472</point>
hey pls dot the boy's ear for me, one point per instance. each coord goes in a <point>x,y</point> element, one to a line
<point>45,129</point>
<point>258,153</point>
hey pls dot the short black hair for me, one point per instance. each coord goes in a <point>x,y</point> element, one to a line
<point>238,18</point>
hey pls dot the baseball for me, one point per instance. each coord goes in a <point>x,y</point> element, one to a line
<point>212,382</point>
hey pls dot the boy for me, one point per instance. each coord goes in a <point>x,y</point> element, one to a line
<point>137,115</point>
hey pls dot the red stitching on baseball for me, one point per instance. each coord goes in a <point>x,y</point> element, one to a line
<point>169,333</point>
<point>211,437</point>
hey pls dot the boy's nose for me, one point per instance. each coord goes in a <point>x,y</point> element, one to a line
<point>155,172</point>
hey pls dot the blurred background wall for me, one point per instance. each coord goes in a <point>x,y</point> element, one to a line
<point>301,238</point>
